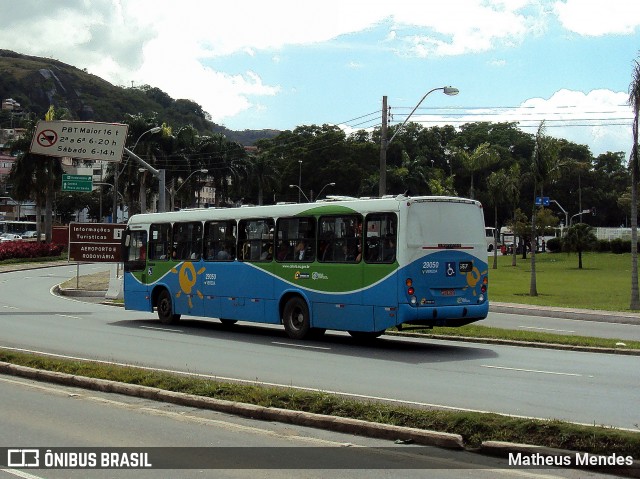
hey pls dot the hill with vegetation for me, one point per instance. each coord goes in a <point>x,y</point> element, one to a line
<point>37,83</point>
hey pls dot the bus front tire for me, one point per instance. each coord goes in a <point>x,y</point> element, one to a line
<point>228,322</point>
<point>165,309</point>
<point>296,318</point>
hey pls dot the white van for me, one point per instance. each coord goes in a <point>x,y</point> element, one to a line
<point>490,236</point>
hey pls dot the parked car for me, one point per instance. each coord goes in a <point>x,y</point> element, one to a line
<point>10,237</point>
<point>29,234</point>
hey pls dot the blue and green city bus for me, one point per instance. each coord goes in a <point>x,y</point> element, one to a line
<point>347,264</point>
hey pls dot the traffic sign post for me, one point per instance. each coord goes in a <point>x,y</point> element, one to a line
<point>79,183</point>
<point>80,139</point>
<point>95,242</point>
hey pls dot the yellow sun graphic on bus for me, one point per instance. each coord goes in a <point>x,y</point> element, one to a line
<point>473,277</point>
<point>187,278</point>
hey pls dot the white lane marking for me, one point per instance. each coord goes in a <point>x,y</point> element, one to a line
<point>547,329</point>
<point>162,329</point>
<point>556,373</point>
<point>9,307</point>
<point>68,316</point>
<point>289,386</point>
<point>24,475</point>
<point>300,346</point>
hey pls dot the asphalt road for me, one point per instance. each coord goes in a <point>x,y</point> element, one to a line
<point>573,386</point>
<point>46,416</point>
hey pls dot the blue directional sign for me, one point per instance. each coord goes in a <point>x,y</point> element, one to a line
<point>542,201</point>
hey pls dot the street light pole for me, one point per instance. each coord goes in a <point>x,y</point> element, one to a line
<point>300,192</point>
<point>300,181</point>
<point>384,143</point>
<point>173,193</point>
<point>328,184</point>
<point>155,129</point>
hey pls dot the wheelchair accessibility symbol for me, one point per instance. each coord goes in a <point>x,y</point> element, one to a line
<point>450,269</point>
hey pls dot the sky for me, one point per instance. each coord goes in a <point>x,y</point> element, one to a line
<point>287,63</point>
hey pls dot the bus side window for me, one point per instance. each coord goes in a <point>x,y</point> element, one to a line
<point>158,248</point>
<point>296,239</point>
<point>340,236</point>
<point>256,237</point>
<point>220,240</point>
<point>381,236</point>
<point>187,238</point>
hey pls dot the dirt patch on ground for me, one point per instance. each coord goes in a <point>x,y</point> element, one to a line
<point>90,282</point>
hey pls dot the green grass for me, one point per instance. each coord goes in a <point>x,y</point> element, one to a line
<point>473,427</point>
<point>44,259</point>
<point>476,331</point>
<point>603,283</point>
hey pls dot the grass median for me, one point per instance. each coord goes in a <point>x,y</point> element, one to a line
<point>473,427</point>
<point>603,283</point>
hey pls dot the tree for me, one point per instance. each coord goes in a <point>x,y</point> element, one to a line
<point>579,238</point>
<point>497,183</point>
<point>544,167</point>
<point>634,101</point>
<point>263,173</point>
<point>37,176</point>
<point>483,156</point>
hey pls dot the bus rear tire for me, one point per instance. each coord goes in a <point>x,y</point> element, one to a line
<point>296,318</point>
<point>165,308</point>
<point>228,322</point>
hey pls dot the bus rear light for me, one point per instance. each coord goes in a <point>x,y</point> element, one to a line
<point>411,291</point>
<point>414,300</point>
<point>408,282</point>
<point>485,283</point>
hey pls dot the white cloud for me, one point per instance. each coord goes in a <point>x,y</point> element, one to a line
<point>600,118</point>
<point>165,43</point>
<point>598,17</point>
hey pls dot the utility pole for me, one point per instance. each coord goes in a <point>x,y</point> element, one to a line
<point>382,186</point>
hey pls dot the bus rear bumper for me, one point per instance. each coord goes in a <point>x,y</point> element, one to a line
<point>449,316</point>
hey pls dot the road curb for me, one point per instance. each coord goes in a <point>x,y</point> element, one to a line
<point>78,293</point>
<point>566,313</point>
<point>300,418</point>
<point>526,344</point>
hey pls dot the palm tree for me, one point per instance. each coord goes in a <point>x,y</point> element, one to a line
<point>482,157</point>
<point>579,238</point>
<point>544,167</point>
<point>497,184</point>
<point>634,101</point>
<point>37,176</point>
<point>263,172</point>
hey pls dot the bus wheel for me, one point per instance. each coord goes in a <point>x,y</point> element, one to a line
<point>165,308</point>
<point>228,322</point>
<point>296,318</point>
<point>365,335</point>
